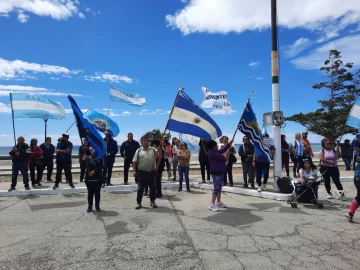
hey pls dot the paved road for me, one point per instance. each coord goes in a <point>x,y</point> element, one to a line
<point>55,232</point>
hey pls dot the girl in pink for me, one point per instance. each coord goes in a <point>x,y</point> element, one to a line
<point>35,162</point>
<point>166,147</point>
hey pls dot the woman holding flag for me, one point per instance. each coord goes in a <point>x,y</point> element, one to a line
<point>217,162</point>
<point>93,178</point>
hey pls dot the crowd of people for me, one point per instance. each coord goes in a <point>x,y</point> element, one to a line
<point>152,156</point>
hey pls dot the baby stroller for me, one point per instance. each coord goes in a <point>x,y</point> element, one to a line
<point>305,193</point>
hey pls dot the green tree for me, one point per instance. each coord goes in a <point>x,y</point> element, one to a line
<point>343,88</point>
<point>159,134</point>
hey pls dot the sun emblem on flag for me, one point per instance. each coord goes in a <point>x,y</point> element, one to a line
<point>255,126</point>
<point>197,120</point>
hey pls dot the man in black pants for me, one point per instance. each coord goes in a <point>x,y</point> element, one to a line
<point>144,165</point>
<point>111,151</point>
<point>204,160</point>
<point>63,160</point>
<point>127,151</point>
<point>20,156</point>
<point>48,158</point>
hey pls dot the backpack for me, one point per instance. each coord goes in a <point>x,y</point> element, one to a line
<point>285,185</point>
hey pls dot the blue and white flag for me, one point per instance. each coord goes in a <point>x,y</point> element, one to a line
<point>102,122</point>
<point>354,116</point>
<point>130,99</point>
<point>33,106</point>
<point>188,118</point>
<point>249,127</point>
<point>217,101</point>
<point>88,130</point>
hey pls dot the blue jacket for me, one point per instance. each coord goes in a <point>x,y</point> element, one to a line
<point>112,149</point>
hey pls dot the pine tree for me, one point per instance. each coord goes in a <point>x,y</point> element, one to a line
<point>343,87</point>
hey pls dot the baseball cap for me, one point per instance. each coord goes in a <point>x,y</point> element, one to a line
<point>65,135</point>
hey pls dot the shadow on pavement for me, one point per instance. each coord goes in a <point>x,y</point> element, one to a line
<point>234,217</point>
<point>46,206</point>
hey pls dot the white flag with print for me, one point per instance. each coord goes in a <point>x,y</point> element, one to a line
<point>217,101</point>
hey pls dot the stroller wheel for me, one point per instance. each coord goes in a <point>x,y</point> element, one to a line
<point>295,205</point>
<point>292,205</point>
<point>320,205</point>
<point>288,202</point>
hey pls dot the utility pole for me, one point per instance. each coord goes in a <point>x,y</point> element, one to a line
<point>275,93</point>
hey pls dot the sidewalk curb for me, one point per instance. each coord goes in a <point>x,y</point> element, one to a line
<point>133,188</point>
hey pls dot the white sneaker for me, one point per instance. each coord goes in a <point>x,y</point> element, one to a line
<point>221,205</point>
<point>343,197</point>
<point>264,187</point>
<point>329,196</point>
<point>259,189</point>
<point>213,208</point>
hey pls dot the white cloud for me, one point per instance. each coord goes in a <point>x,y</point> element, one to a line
<point>107,77</point>
<point>259,78</point>
<point>299,45</point>
<point>326,17</point>
<point>153,112</point>
<point>349,47</point>
<point>56,9</point>
<point>93,13</point>
<point>81,15</point>
<point>22,17</point>
<point>18,69</point>
<point>5,90</point>
<point>53,78</point>
<point>221,112</point>
<point>5,108</point>
<point>253,64</point>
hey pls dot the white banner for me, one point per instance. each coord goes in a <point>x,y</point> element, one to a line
<point>217,101</point>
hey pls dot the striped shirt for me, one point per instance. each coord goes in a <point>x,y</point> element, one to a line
<point>299,148</point>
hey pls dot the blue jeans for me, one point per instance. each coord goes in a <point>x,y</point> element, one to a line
<point>23,168</point>
<point>347,161</point>
<point>184,170</point>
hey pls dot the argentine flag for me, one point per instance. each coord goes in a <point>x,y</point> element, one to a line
<point>354,116</point>
<point>130,99</point>
<point>188,118</point>
<point>34,106</point>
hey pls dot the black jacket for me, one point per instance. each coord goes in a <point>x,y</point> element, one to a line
<point>62,145</point>
<point>128,149</point>
<point>94,165</point>
<point>232,159</point>
<point>203,158</point>
<point>346,150</point>
<point>24,151</point>
<point>48,153</point>
<point>249,150</point>
<point>111,149</point>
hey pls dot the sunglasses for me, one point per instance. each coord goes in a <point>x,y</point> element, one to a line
<point>329,143</point>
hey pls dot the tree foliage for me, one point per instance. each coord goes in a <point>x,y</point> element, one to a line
<point>343,88</point>
<point>158,133</point>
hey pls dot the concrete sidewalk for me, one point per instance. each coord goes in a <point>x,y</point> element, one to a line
<point>56,233</point>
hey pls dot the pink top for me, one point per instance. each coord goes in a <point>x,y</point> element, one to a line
<point>330,156</point>
<point>35,155</point>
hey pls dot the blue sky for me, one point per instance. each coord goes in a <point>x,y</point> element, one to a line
<point>149,47</point>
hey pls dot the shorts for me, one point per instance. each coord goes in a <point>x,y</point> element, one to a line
<point>218,181</point>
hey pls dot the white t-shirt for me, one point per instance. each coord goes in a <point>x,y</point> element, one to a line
<point>307,175</point>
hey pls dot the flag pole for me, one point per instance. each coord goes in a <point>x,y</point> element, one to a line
<point>13,122</point>
<point>172,109</point>
<point>237,127</point>
<point>45,120</point>
<point>107,116</point>
<point>81,139</point>
<point>75,122</point>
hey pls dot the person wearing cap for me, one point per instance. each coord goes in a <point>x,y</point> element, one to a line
<point>346,153</point>
<point>63,160</point>
<point>48,158</point>
<point>111,151</point>
<point>127,151</point>
<point>308,152</point>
